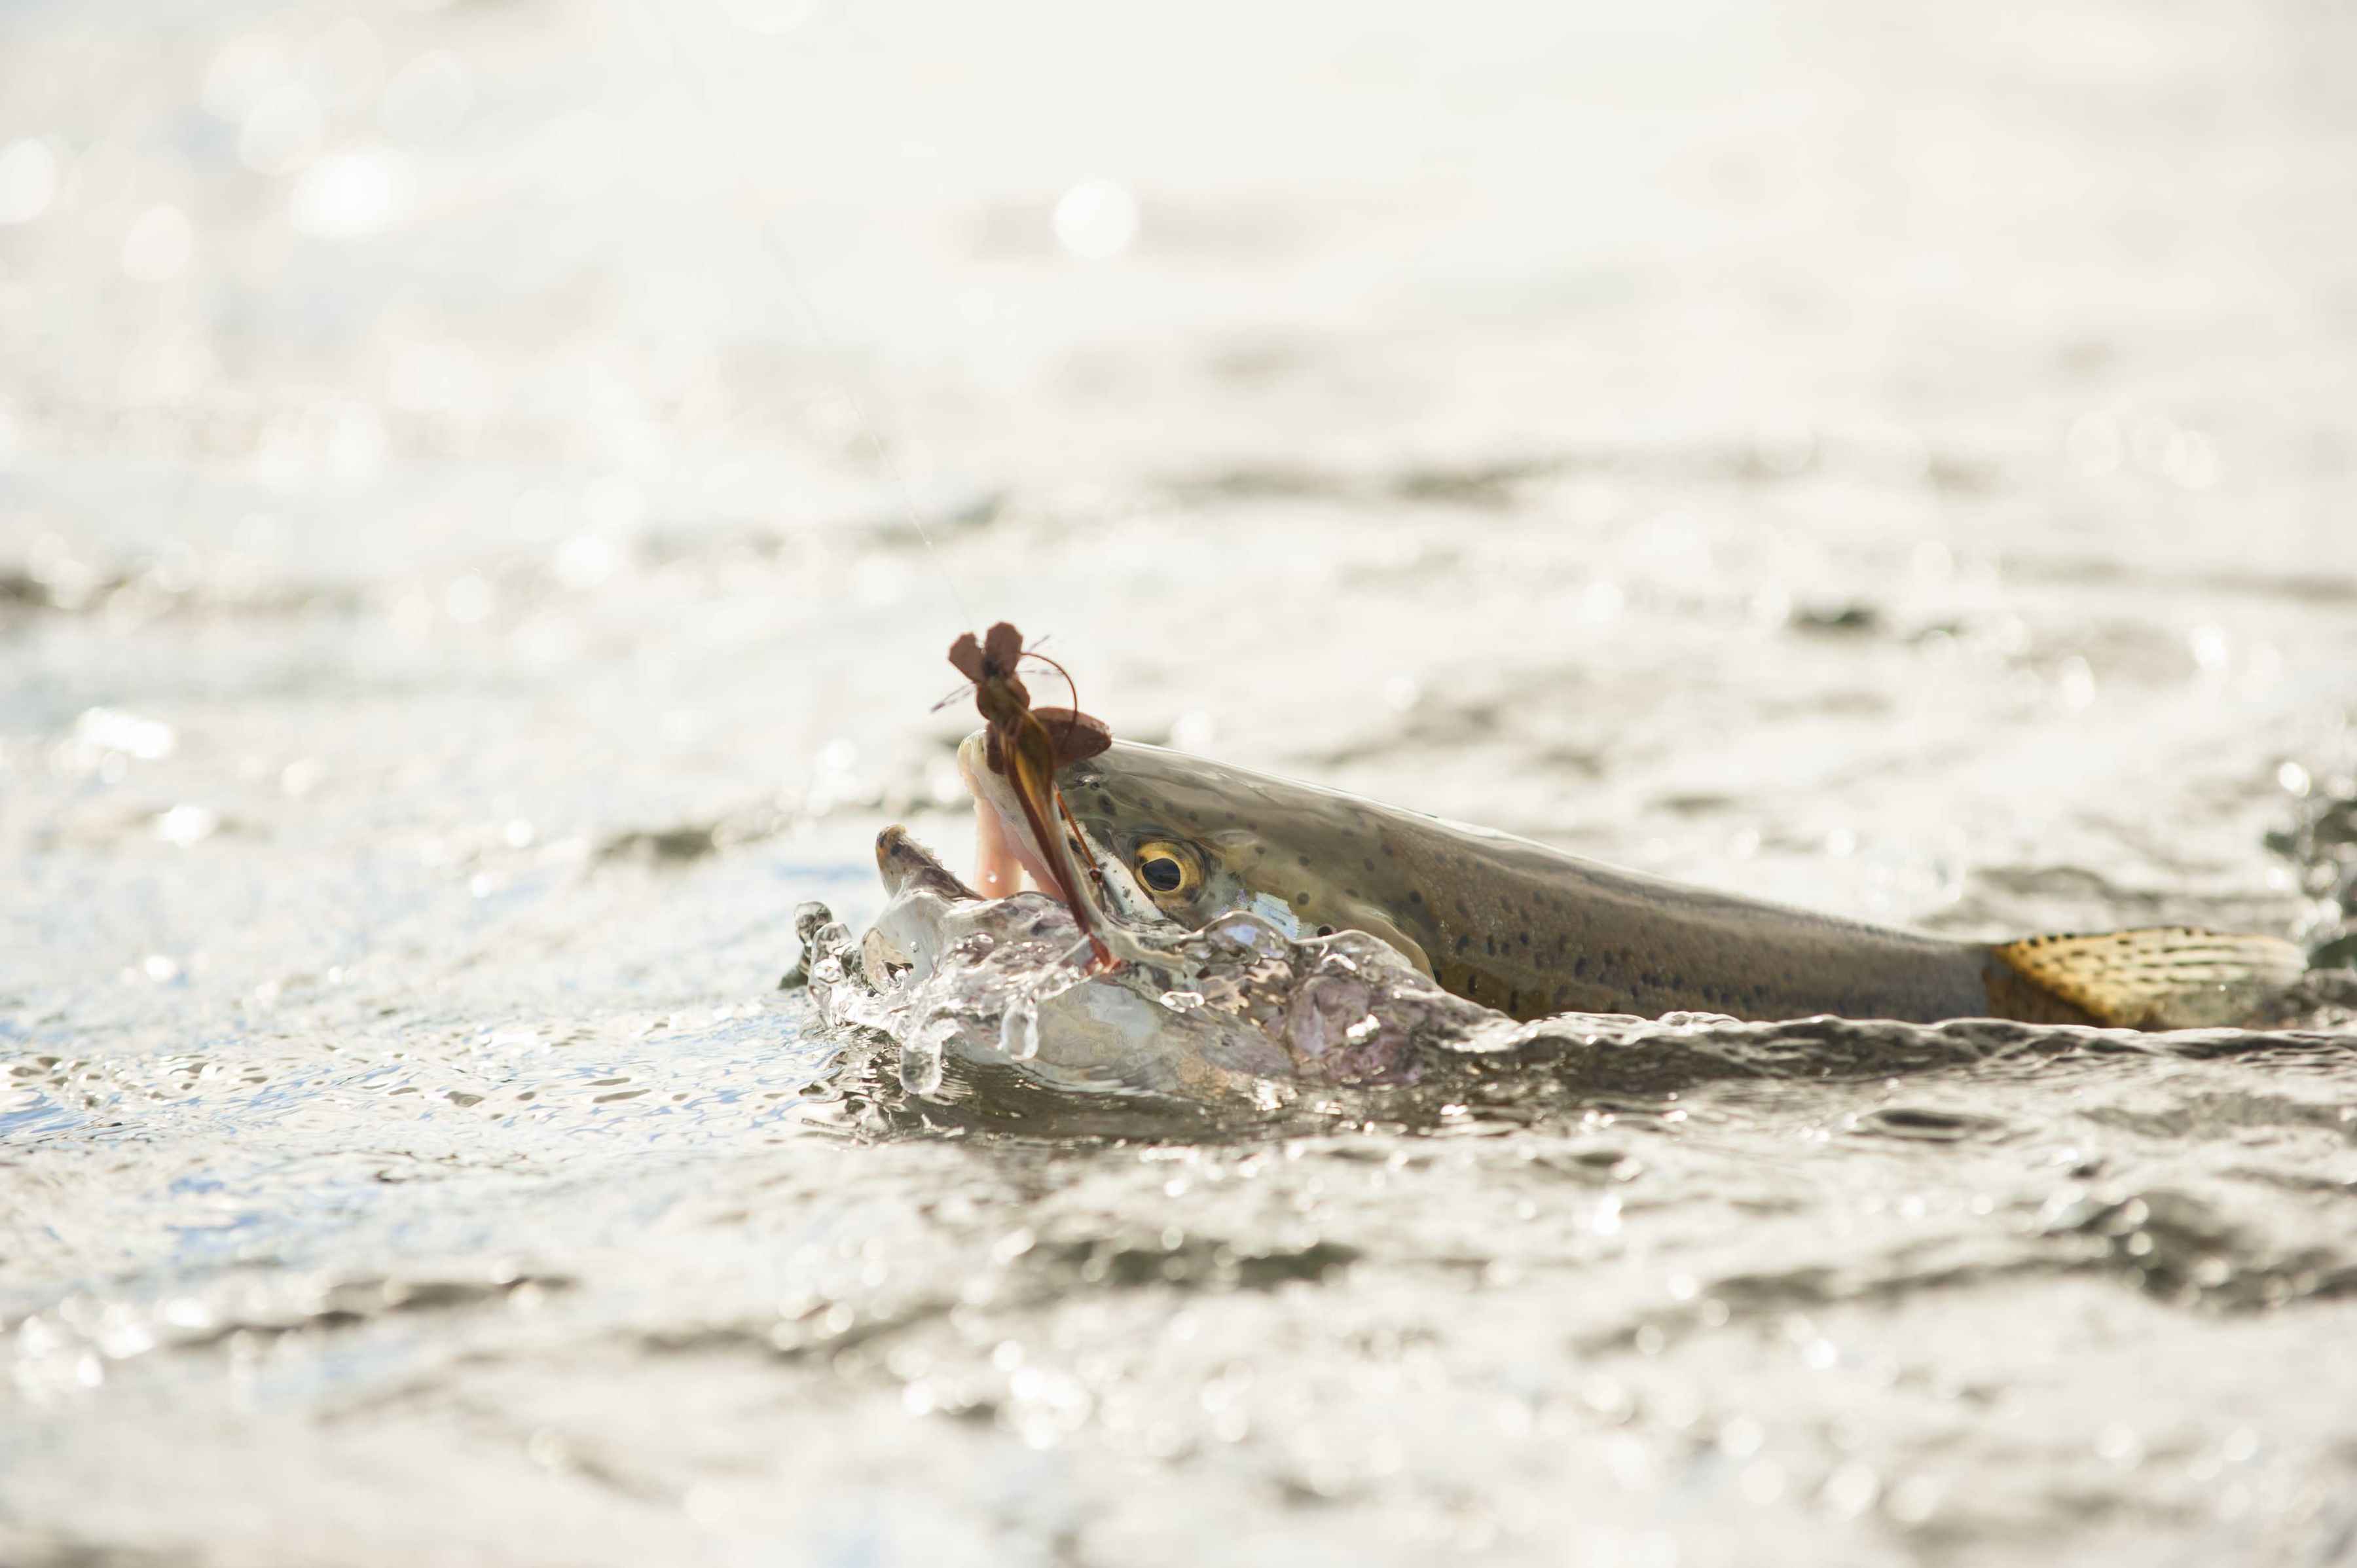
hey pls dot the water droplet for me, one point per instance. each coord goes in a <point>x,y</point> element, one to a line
<point>828,971</point>
<point>921,1055</point>
<point>971,949</point>
<point>1018,1029</point>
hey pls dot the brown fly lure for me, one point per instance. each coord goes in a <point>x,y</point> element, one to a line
<point>1025,746</point>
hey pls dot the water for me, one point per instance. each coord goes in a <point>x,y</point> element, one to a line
<point>454,611</point>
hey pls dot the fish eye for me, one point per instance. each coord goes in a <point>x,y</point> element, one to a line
<point>1167,869</point>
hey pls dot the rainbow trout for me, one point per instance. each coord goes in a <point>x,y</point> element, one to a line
<point>1532,931</point>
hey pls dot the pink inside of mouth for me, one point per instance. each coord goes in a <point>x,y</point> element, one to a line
<point>998,871</point>
<point>1003,850</point>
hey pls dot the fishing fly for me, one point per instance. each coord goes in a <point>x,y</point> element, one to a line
<point>1027,746</point>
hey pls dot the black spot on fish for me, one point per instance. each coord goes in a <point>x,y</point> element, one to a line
<point>1489,946</point>
<point>1302,899</point>
<point>1523,938</point>
<point>1464,942</point>
<point>1415,895</point>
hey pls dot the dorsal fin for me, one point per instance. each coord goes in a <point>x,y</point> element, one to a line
<point>2162,977</point>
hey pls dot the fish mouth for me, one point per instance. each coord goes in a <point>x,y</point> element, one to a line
<point>1005,849</point>
<point>1003,846</point>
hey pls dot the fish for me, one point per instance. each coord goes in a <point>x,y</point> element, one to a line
<point>1532,931</point>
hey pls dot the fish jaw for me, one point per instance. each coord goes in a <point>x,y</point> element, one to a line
<point>903,863</point>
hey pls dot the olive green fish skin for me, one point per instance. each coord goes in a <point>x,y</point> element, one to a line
<point>1505,922</point>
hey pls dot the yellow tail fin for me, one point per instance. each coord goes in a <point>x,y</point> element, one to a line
<point>2163,977</point>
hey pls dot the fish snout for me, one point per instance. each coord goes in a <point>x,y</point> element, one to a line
<point>905,865</point>
<point>974,758</point>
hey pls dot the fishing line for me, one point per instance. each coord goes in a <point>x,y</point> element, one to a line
<point>699,84</point>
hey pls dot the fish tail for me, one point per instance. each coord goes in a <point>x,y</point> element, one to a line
<point>2160,977</point>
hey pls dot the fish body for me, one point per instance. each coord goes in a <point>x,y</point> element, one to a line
<point>1532,930</point>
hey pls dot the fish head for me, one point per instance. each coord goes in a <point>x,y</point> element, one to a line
<point>1160,839</point>
<point>1180,838</point>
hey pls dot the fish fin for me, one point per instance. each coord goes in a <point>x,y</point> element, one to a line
<point>1382,930</point>
<point>2161,977</point>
